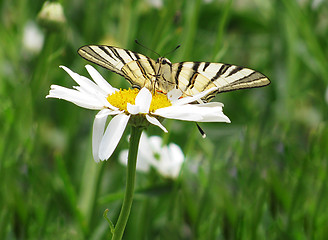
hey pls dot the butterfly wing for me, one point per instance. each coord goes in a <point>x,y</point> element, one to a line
<point>138,69</point>
<point>195,77</point>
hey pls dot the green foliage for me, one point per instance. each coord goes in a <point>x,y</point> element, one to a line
<point>261,177</point>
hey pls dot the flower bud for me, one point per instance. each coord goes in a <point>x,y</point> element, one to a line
<point>52,16</point>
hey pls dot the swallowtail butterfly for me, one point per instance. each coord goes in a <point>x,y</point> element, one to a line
<point>162,75</point>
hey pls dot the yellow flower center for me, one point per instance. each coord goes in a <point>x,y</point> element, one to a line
<point>120,99</point>
<point>158,101</point>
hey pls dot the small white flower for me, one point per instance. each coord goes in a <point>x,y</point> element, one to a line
<point>156,3</point>
<point>130,106</point>
<point>316,4</point>
<point>167,159</point>
<point>32,38</point>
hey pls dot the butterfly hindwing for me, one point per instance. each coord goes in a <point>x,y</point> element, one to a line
<point>195,77</point>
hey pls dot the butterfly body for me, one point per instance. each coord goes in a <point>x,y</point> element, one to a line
<point>164,81</point>
<point>162,75</point>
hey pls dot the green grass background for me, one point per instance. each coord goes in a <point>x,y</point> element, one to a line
<point>264,176</point>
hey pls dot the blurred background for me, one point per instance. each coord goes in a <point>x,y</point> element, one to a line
<point>263,176</point>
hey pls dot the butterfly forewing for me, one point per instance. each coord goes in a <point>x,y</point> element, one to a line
<point>141,72</point>
<point>135,67</point>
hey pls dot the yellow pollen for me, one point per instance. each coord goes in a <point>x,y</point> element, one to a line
<point>159,100</point>
<point>120,99</point>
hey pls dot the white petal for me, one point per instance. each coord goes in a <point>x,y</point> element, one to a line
<point>186,113</point>
<point>171,161</point>
<point>81,99</point>
<point>211,112</point>
<point>87,86</point>
<point>123,157</point>
<point>133,109</point>
<point>97,132</point>
<point>84,82</point>
<point>112,135</point>
<point>97,94</point>
<point>156,143</point>
<point>146,149</point>
<point>143,100</point>
<point>194,98</point>
<point>176,151</point>
<point>106,112</point>
<point>174,94</point>
<point>142,163</point>
<point>145,154</point>
<point>212,104</point>
<point>102,83</point>
<point>176,155</point>
<point>154,121</point>
<point>170,158</point>
<point>92,89</point>
<point>167,160</point>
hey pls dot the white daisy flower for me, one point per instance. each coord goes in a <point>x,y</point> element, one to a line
<point>139,108</point>
<point>165,159</point>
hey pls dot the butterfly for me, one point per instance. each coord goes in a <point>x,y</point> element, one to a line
<point>162,75</point>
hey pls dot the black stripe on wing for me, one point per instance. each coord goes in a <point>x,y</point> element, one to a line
<point>178,73</point>
<point>112,58</point>
<point>235,77</point>
<point>95,54</point>
<point>142,69</point>
<point>221,71</point>
<point>149,61</point>
<point>129,53</point>
<point>253,80</point>
<point>118,55</point>
<point>235,70</point>
<point>206,64</point>
<point>193,76</point>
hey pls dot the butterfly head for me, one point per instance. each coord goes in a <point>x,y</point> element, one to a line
<point>163,61</point>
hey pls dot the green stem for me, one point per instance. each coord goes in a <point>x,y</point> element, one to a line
<point>131,172</point>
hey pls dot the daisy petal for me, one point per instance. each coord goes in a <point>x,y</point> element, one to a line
<point>211,112</point>
<point>106,112</point>
<point>154,121</point>
<point>81,80</point>
<point>79,98</point>
<point>186,113</point>
<point>132,109</point>
<point>174,94</point>
<point>101,82</point>
<point>97,132</point>
<point>170,162</point>
<point>143,100</point>
<point>112,135</point>
<point>194,98</point>
<point>142,165</point>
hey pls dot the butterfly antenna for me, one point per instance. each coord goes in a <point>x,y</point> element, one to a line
<point>172,50</point>
<point>137,42</point>
<point>201,131</point>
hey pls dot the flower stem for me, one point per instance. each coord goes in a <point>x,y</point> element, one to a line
<point>131,172</point>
